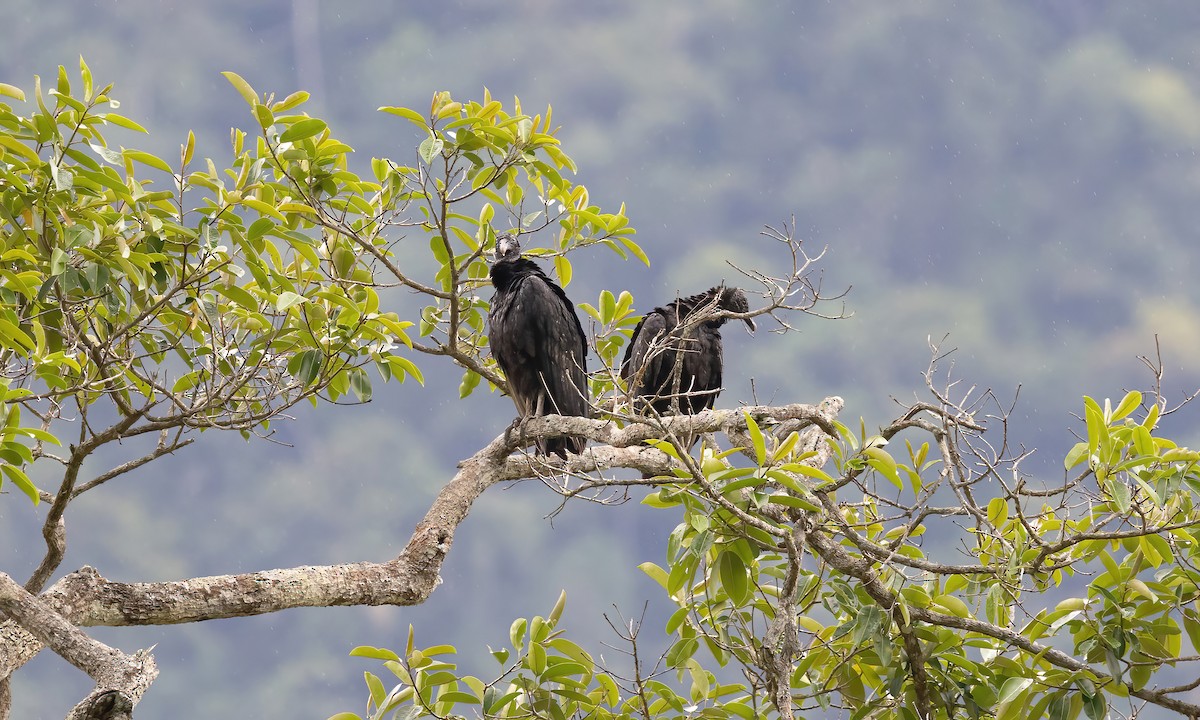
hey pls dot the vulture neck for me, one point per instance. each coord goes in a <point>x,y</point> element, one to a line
<point>685,307</point>
<point>506,273</point>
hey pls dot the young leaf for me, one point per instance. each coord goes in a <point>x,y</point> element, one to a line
<point>756,437</point>
<point>360,383</point>
<point>287,299</point>
<point>242,87</point>
<point>302,129</point>
<point>1076,455</point>
<point>12,91</point>
<point>411,115</point>
<point>562,268</point>
<point>429,148</point>
<point>557,611</point>
<point>883,463</point>
<point>1132,401</point>
<point>21,480</point>
<point>147,159</point>
<point>374,653</point>
<point>734,577</point>
<point>375,686</point>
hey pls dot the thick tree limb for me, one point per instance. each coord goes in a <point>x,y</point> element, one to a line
<point>128,676</point>
<point>84,598</point>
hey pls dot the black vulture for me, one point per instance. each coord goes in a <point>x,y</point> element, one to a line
<point>663,347</point>
<point>538,342</point>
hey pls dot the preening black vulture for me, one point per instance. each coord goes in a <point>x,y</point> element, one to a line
<point>538,342</point>
<point>664,347</point>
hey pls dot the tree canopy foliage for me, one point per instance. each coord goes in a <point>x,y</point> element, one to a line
<point>151,299</point>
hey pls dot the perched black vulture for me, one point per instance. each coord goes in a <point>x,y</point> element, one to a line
<point>663,346</point>
<point>538,342</point>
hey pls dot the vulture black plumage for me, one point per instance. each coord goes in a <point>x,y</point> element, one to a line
<point>662,341</point>
<point>538,342</point>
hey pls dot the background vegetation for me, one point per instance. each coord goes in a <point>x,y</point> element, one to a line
<point>1022,177</point>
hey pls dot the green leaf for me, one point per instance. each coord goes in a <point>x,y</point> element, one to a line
<point>1151,417</point>
<point>287,299</point>
<point>516,632</point>
<point>1059,707</point>
<point>186,382</point>
<point>681,651</point>
<point>410,115</point>
<point>429,148</point>
<point>64,85</point>
<point>612,694</point>
<point>11,332</point>
<point>12,91</point>
<point>39,434</point>
<point>457,696</point>
<point>470,381</point>
<point>1132,401</point>
<point>409,368</point>
<point>636,250</point>
<point>1120,494</point>
<point>1094,417</point>
<point>1192,626</point>
<point>1094,706</point>
<point>952,606</point>
<point>63,179</point>
<point>375,686</point>
<point>242,87</point>
<point>808,470</point>
<point>238,295</point>
<point>1143,441</point>
<point>1076,455</point>
<point>265,117</point>
<point>294,100</point>
<point>307,366</point>
<point>265,208</point>
<point>656,573</point>
<point>21,480</point>
<point>122,121</point>
<point>301,129</point>
<point>734,577</point>
<point>146,158</point>
<point>374,653</point>
<point>867,624</point>
<point>435,650</point>
<point>562,268</point>
<point>18,147</point>
<point>796,502</point>
<point>881,460</point>
<point>559,605</point>
<point>85,74</point>
<point>997,511</point>
<point>1013,687</point>
<point>1113,663</point>
<point>756,437</point>
<point>360,383</point>
<point>108,155</point>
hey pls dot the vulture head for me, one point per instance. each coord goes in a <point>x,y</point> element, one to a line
<point>734,300</point>
<point>508,247</point>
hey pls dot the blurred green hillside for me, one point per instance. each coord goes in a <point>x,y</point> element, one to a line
<point>1022,176</point>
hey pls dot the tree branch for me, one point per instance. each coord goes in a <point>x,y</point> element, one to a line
<point>111,669</point>
<point>84,598</point>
